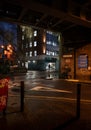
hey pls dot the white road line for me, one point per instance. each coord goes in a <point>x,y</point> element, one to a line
<point>41,88</point>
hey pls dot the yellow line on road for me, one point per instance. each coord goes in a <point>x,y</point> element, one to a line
<point>58,98</point>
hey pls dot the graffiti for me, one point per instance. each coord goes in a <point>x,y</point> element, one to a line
<point>3,93</point>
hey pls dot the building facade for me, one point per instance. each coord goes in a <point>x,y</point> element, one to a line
<point>40,49</point>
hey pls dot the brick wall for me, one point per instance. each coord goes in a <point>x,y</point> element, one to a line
<point>81,73</point>
<point>68,62</point>
<point>84,73</point>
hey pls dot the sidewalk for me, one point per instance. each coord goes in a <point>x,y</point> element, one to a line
<point>44,113</point>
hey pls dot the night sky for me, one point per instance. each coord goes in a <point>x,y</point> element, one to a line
<point>8,33</point>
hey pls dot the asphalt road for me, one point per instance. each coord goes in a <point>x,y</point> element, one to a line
<point>47,84</point>
<point>49,103</point>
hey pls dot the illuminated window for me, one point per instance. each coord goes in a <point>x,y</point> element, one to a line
<point>53,53</point>
<point>44,49</point>
<point>35,43</point>
<point>18,61</point>
<point>22,64</point>
<point>49,42</point>
<point>30,53</point>
<point>47,52</point>
<point>23,29</point>
<point>26,45</point>
<point>30,44</point>
<point>26,54</point>
<point>29,61</point>
<point>30,35</point>
<point>56,53</point>
<point>22,37</point>
<point>26,65</point>
<point>54,44</point>
<point>35,33</point>
<point>34,61</point>
<point>35,53</point>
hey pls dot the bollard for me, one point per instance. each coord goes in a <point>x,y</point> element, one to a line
<point>22,96</point>
<point>78,100</point>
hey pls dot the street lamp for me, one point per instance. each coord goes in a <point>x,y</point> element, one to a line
<point>2,47</point>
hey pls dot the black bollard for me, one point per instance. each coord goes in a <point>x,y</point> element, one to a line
<point>90,76</point>
<point>78,100</point>
<point>22,96</point>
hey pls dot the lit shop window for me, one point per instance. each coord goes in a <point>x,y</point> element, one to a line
<point>35,43</point>
<point>30,44</point>
<point>30,53</point>
<point>35,53</point>
<point>35,33</point>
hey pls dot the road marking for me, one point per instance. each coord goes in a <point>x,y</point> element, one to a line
<point>52,98</point>
<point>40,88</point>
<point>59,98</point>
